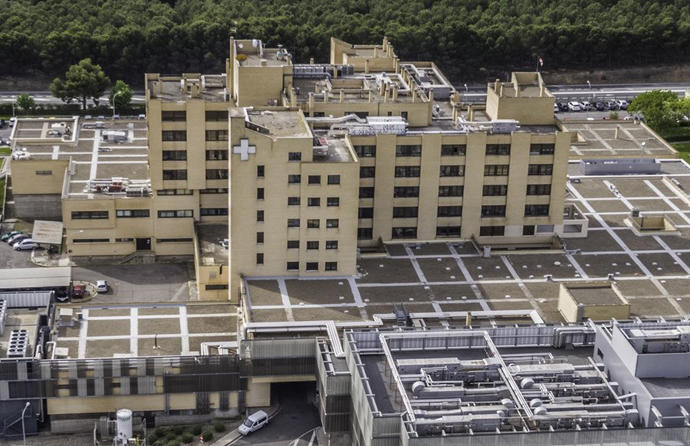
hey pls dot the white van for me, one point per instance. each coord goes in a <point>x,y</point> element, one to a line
<point>254,422</point>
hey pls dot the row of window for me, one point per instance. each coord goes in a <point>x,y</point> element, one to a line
<point>214,190</point>
<point>181,135</point>
<point>413,212</point>
<point>309,266</point>
<point>313,223</point>
<point>130,240</point>
<point>415,150</point>
<point>410,232</point>
<point>313,179</point>
<point>181,175</point>
<point>294,244</point>
<point>490,170</point>
<point>456,191</point>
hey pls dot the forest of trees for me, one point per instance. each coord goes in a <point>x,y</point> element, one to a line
<point>469,39</point>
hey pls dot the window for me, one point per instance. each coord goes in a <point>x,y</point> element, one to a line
<point>403,114</point>
<point>216,115</point>
<point>452,171</point>
<point>216,135</point>
<point>44,172</point>
<point>493,211</point>
<point>216,174</point>
<point>540,169</point>
<point>536,210</point>
<point>294,179</point>
<point>403,232</point>
<point>260,171</point>
<point>360,114</point>
<point>259,193</point>
<point>259,258</point>
<point>542,149</point>
<point>292,266</point>
<point>294,156</point>
<point>333,201</point>
<point>496,170</point>
<point>312,266</point>
<point>293,201</point>
<point>215,287</point>
<point>260,215</point>
<point>173,175</point>
<point>450,191</point>
<point>406,191</point>
<point>367,172</point>
<point>366,213</point>
<point>491,231</point>
<point>332,223</point>
<point>177,213</point>
<point>173,115</point>
<point>132,213</point>
<point>91,240</point>
<point>293,244</point>
<point>538,189</point>
<point>216,155</point>
<point>365,151</point>
<point>449,211</point>
<point>405,212</point>
<point>89,215</point>
<point>174,135</point>
<point>498,149</point>
<point>213,190</point>
<point>453,149</point>
<point>494,190</point>
<point>124,240</point>
<point>331,266</point>
<point>333,179</point>
<point>177,192</point>
<point>528,230</point>
<point>173,240</point>
<point>313,201</point>
<point>544,229</point>
<point>314,179</point>
<point>293,223</point>
<point>313,244</point>
<point>313,223</point>
<point>364,234</point>
<point>408,150</point>
<point>447,231</point>
<point>366,192</point>
<point>174,155</point>
<point>318,114</point>
<point>259,237</point>
<point>407,171</point>
<point>331,244</point>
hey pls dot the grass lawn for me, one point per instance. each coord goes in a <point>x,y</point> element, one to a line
<point>2,192</point>
<point>5,151</point>
<point>679,138</point>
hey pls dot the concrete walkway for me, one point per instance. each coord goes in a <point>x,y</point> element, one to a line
<point>234,435</point>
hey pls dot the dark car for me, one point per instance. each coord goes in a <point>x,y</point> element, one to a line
<point>600,106</point>
<point>562,106</point>
<point>612,105</point>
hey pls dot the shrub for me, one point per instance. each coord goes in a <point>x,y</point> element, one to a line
<point>196,430</point>
<point>218,426</point>
<point>187,437</point>
<point>160,432</point>
<point>174,442</point>
<point>152,438</point>
<point>178,430</point>
<point>207,435</point>
<point>613,116</point>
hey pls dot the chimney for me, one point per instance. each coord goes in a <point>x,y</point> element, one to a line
<point>366,65</point>
<point>455,112</point>
<point>311,102</point>
<point>500,91</point>
<point>382,87</point>
<point>414,94</point>
<point>385,93</point>
<point>395,93</point>
<point>371,96</point>
<point>470,113</point>
<point>342,96</point>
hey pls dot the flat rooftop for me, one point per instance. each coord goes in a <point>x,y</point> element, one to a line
<point>171,88</point>
<point>21,319</point>
<point>336,149</point>
<point>594,295</point>
<point>210,236</point>
<point>280,123</point>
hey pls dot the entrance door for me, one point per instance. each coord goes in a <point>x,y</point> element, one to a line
<point>143,244</point>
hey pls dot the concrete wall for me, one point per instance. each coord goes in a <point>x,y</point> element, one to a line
<point>38,206</point>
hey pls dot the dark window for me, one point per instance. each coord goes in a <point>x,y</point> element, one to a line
<point>176,192</point>
<point>449,211</point>
<point>447,231</point>
<point>216,174</point>
<point>493,211</point>
<point>294,179</point>
<point>406,191</point>
<point>216,115</point>
<point>174,155</point>
<point>293,201</point>
<point>403,232</point>
<point>179,174</point>
<point>452,171</point>
<point>408,150</point>
<point>496,170</point>
<point>366,213</point>
<point>260,215</point>
<point>332,223</point>
<point>364,233</point>
<point>331,244</point>
<point>89,215</point>
<point>260,171</point>
<point>259,258</point>
<point>213,190</point>
<point>403,115</point>
<point>333,179</point>
<point>318,114</point>
<point>173,115</point>
<point>313,223</point>
<point>132,213</point>
<point>534,210</point>
<point>542,149</point>
<point>528,230</point>
<point>294,156</point>
<point>293,223</point>
<point>259,193</point>
<point>365,151</point>
<point>331,266</point>
<point>450,191</point>
<point>333,201</point>
<point>407,171</point>
<point>259,237</point>
<point>174,135</point>
<point>367,172</point>
<point>493,190</point>
<point>91,240</point>
<point>453,149</point>
<point>216,287</point>
<point>177,213</point>
<point>538,189</point>
<point>293,244</point>
<point>292,266</point>
<point>216,155</point>
<point>366,192</point>
<point>313,244</point>
<point>313,201</point>
<point>216,135</point>
<point>314,179</point>
<point>488,231</point>
<point>405,212</point>
<point>540,169</point>
<point>498,149</point>
<point>312,266</point>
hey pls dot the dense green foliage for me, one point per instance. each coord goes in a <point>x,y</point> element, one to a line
<point>84,80</point>
<point>25,102</point>
<point>130,37</point>
<point>661,109</point>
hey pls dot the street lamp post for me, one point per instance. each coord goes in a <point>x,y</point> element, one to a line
<point>26,406</point>
<point>466,89</point>
<point>114,98</point>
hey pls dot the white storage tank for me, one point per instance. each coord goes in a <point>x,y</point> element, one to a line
<point>124,425</point>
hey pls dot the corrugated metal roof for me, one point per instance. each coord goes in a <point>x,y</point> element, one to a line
<point>25,299</point>
<point>21,278</point>
<point>47,232</point>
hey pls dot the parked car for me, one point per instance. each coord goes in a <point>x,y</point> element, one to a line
<point>555,108</point>
<point>586,105</point>
<point>7,235</point>
<point>600,106</point>
<point>562,106</point>
<point>622,104</point>
<point>253,423</point>
<point>13,120</point>
<point>25,245</point>
<point>102,286</point>
<point>17,238</point>
<point>574,106</point>
<point>224,243</point>
<point>612,105</point>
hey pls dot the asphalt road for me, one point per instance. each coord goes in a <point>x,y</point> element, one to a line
<point>45,97</point>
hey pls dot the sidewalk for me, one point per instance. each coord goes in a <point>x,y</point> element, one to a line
<point>234,435</point>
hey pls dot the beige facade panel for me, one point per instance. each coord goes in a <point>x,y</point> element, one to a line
<point>38,176</point>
